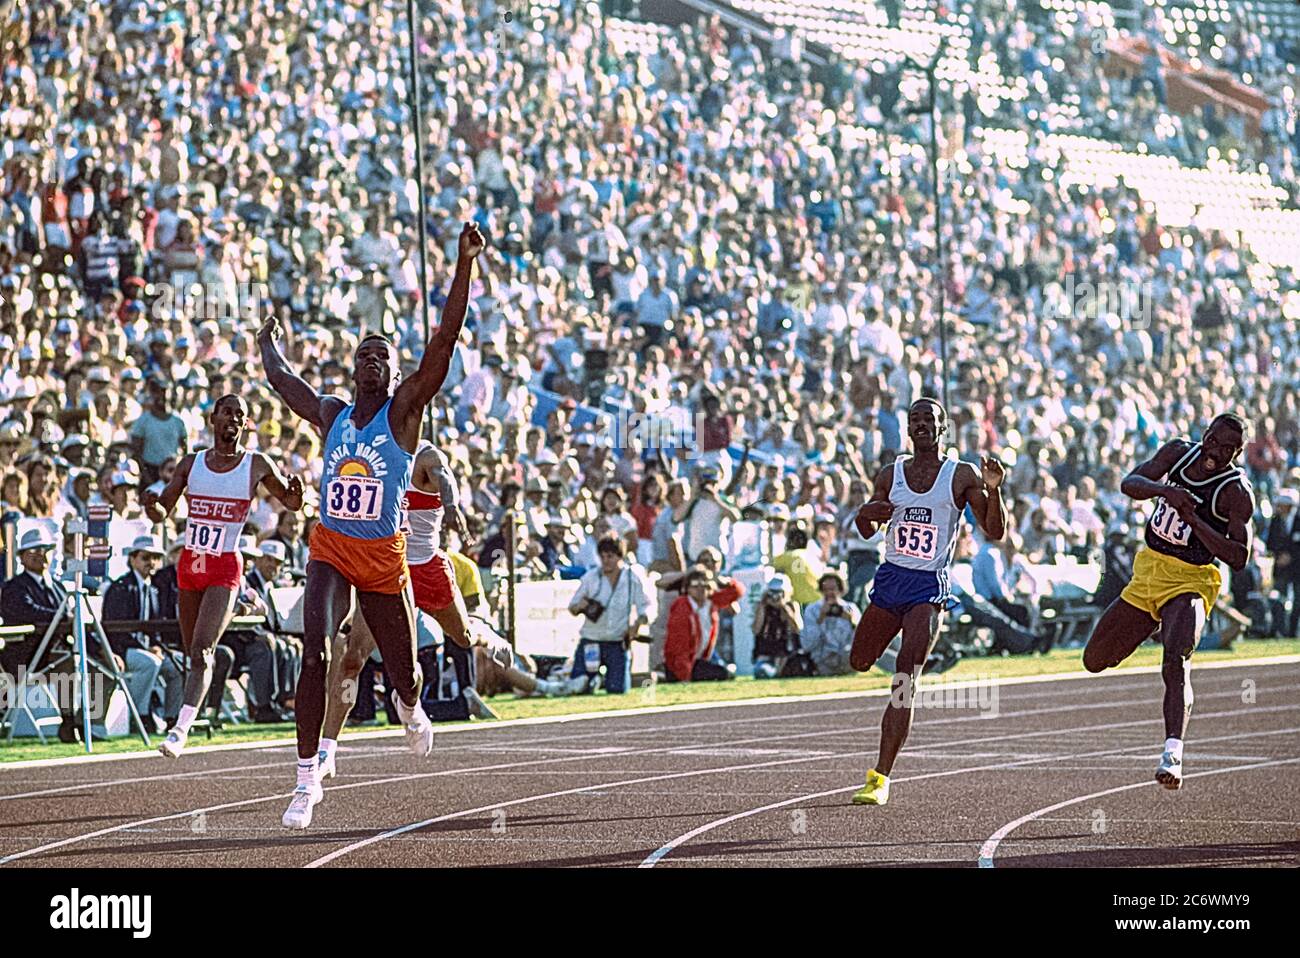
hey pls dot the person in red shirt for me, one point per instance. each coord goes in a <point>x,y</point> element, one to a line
<point>688,650</point>
<point>645,511</point>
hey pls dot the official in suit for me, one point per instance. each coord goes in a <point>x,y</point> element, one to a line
<point>33,598</point>
<point>148,666</point>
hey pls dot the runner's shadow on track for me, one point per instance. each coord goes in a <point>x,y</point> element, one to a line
<point>1229,854</point>
<point>209,845</point>
<point>83,820</point>
<point>627,859</point>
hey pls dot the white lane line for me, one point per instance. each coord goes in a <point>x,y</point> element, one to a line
<point>661,709</point>
<point>660,853</point>
<point>990,847</point>
<point>570,738</point>
<point>662,749</point>
<point>126,826</point>
<point>593,788</point>
<point>347,743</point>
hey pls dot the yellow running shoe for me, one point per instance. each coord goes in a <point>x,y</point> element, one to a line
<point>875,792</point>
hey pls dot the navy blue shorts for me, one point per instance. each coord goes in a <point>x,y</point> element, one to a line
<point>897,590</point>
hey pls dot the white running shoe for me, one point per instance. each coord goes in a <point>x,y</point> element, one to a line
<point>1169,772</point>
<point>418,728</point>
<point>173,744</point>
<point>477,706</point>
<point>325,765</point>
<point>298,814</point>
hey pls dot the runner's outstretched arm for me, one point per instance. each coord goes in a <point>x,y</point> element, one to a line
<point>415,393</point>
<point>306,403</point>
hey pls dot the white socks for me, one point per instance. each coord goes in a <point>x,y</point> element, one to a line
<point>328,745</point>
<point>307,771</point>
<point>188,714</point>
<point>1174,746</point>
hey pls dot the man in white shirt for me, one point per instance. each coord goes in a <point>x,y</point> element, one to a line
<point>655,308</point>
<point>617,607</point>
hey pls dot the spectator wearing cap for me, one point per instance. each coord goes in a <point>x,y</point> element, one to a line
<point>1283,544</point>
<point>556,550</point>
<point>692,632</point>
<point>828,626</point>
<point>159,434</point>
<point>132,597</point>
<point>33,597</point>
<point>534,508</point>
<point>777,625</point>
<point>288,533</point>
<point>78,490</point>
<point>615,606</point>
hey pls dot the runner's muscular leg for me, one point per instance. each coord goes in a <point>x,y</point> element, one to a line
<point>1119,631</point>
<point>920,632</point>
<point>876,629</point>
<point>1181,619</point>
<point>348,658</point>
<point>326,602</point>
<point>392,622</point>
<point>454,619</point>
<point>212,612</point>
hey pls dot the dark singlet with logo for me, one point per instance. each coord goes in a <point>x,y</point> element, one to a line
<point>1168,534</point>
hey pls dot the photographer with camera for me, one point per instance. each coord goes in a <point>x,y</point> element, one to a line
<point>777,624</point>
<point>827,634</point>
<point>616,605</point>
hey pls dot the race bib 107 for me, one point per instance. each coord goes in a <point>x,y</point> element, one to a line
<point>205,537</point>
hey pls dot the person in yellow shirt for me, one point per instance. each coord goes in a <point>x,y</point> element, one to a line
<point>468,580</point>
<point>801,565</point>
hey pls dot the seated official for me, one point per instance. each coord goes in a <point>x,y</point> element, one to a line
<point>271,661</point>
<point>148,667</point>
<point>33,598</point>
<point>693,631</point>
<point>993,577</point>
<point>828,626</point>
